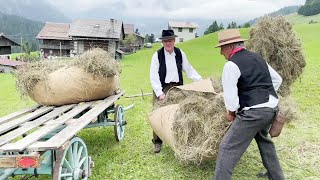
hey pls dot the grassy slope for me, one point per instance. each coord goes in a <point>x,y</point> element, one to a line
<point>132,158</point>
<point>299,19</point>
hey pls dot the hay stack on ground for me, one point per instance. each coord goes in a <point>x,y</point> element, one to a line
<point>92,76</point>
<point>194,126</point>
<point>274,39</point>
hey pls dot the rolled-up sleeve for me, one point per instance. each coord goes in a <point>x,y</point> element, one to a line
<point>154,75</point>
<point>188,69</point>
<point>230,76</point>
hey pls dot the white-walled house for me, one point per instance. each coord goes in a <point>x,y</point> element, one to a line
<point>184,30</point>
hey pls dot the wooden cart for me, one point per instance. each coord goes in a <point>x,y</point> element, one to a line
<point>41,140</point>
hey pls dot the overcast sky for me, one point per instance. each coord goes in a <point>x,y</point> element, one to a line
<point>200,9</point>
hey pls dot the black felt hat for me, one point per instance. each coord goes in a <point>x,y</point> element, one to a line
<point>168,34</point>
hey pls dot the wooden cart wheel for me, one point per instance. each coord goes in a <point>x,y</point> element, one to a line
<point>75,161</point>
<point>119,126</point>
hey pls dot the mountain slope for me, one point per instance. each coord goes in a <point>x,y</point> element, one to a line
<point>38,10</point>
<point>20,29</point>
<point>295,18</point>
<point>281,12</point>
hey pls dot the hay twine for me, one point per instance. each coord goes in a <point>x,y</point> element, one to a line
<point>274,39</point>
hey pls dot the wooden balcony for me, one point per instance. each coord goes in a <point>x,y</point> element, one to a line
<point>50,46</point>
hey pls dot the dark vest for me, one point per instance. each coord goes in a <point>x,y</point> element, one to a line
<point>254,84</point>
<point>163,68</point>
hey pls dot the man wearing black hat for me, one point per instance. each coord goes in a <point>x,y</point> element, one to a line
<point>166,71</point>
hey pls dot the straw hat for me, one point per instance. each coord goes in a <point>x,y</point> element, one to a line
<point>229,36</point>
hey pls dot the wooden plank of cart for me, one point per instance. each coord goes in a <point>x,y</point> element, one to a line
<point>42,139</point>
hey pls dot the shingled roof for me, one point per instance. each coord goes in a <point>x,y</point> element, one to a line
<point>54,31</point>
<point>182,24</point>
<point>2,36</point>
<point>128,28</point>
<point>7,62</point>
<point>109,29</point>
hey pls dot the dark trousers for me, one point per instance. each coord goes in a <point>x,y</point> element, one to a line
<point>248,124</point>
<point>156,139</point>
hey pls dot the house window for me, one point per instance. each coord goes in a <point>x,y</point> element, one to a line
<point>190,30</point>
<point>180,39</point>
<point>179,29</point>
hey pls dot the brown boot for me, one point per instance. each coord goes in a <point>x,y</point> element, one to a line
<point>157,148</point>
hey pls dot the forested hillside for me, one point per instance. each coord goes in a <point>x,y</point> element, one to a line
<point>281,12</point>
<point>311,7</point>
<point>20,29</point>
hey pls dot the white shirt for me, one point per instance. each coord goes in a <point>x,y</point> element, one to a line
<point>230,75</point>
<point>172,70</point>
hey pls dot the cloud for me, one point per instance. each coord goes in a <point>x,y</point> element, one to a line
<point>173,9</point>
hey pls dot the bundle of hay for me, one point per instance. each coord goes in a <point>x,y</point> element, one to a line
<point>194,124</point>
<point>274,39</point>
<point>198,129</point>
<point>92,76</point>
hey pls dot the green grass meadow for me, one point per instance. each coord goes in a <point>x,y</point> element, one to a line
<point>133,158</point>
<point>296,18</point>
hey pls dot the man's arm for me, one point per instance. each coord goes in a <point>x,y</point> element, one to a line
<point>230,76</point>
<point>154,75</point>
<point>190,71</point>
<point>275,78</point>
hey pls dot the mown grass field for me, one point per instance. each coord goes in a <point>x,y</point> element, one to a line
<point>298,147</point>
<point>296,18</point>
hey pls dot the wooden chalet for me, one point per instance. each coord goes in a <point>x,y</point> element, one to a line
<point>129,29</point>
<point>54,40</point>
<point>5,46</point>
<point>81,35</point>
<point>87,34</point>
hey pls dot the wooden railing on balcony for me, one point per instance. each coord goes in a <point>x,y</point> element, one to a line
<point>50,46</point>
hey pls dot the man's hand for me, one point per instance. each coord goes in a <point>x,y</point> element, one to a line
<point>162,97</point>
<point>231,115</point>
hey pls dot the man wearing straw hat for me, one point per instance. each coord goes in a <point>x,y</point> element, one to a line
<point>166,69</point>
<point>249,86</point>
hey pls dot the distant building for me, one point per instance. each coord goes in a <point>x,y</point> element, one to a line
<point>54,39</point>
<point>129,30</point>
<point>79,36</point>
<point>6,65</point>
<point>157,40</point>
<point>88,34</point>
<point>184,30</point>
<point>5,46</point>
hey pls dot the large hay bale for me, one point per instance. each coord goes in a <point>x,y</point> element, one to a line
<point>274,39</point>
<point>198,129</point>
<point>92,76</point>
<point>195,125</point>
<point>73,85</point>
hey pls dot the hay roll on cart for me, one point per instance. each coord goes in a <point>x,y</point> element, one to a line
<point>41,139</point>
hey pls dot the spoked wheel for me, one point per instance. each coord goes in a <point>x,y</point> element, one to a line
<point>119,126</point>
<point>75,161</point>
